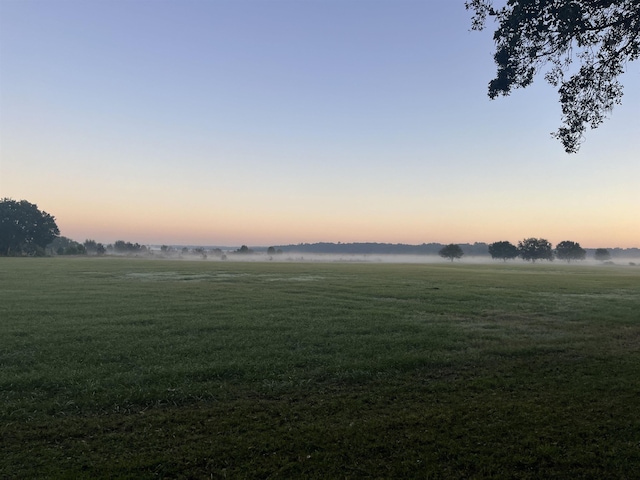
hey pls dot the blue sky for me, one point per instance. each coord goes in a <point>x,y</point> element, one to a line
<point>272,121</point>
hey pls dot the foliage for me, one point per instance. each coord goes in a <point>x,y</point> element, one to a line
<point>200,252</point>
<point>372,248</point>
<point>94,248</point>
<point>66,246</point>
<point>602,254</point>
<point>24,229</point>
<point>600,36</point>
<point>122,247</point>
<point>244,249</point>
<point>568,251</point>
<point>113,368</point>
<point>451,251</point>
<point>504,250</point>
<point>535,249</point>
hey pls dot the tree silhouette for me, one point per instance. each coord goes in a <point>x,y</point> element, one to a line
<point>451,251</point>
<point>24,229</point>
<point>535,249</point>
<point>602,254</point>
<point>568,251</point>
<point>503,250</point>
<point>601,37</point>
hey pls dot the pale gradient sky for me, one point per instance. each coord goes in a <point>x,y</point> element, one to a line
<point>285,121</point>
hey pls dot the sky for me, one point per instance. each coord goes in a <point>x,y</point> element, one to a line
<point>271,122</point>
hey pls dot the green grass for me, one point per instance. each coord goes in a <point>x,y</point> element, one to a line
<point>131,368</point>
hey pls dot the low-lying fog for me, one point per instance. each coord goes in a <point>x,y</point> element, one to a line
<point>377,258</point>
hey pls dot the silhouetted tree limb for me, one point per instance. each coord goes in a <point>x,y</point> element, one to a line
<point>600,36</point>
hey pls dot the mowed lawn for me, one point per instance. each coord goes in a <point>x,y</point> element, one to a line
<point>135,368</point>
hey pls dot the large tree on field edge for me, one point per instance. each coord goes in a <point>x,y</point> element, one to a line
<point>24,229</point>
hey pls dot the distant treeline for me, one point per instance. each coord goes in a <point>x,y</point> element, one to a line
<point>618,252</point>
<point>381,248</point>
<point>65,246</point>
<point>477,249</point>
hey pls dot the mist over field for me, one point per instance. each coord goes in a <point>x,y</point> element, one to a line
<point>531,249</point>
<point>302,257</point>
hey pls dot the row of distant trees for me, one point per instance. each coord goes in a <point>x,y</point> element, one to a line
<point>25,230</point>
<point>66,246</point>
<point>530,249</point>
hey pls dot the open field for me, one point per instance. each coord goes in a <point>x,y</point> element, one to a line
<point>130,368</point>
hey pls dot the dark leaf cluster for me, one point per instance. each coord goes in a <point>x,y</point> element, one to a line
<point>602,254</point>
<point>451,251</point>
<point>585,43</point>
<point>24,229</point>
<point>503,250</point>
<point>120,246</point>
<point>94,248</point>
<point>568,251</point>
<point>66,246</point>
<point>532,249</point>
<point>243,250</point>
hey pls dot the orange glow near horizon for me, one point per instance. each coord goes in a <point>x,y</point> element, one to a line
<point>232,227</point>
<point>164,142</point>
<point>109,212</point>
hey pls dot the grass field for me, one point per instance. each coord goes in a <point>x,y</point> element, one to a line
<point>131,368</point>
